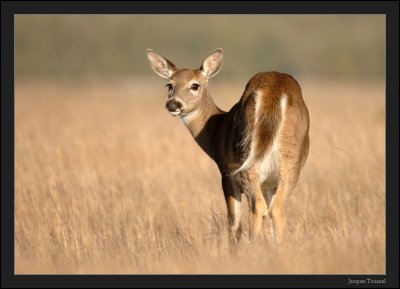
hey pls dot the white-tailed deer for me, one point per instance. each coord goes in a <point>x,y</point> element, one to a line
<point>260,145</point>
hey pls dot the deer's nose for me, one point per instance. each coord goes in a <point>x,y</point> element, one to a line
<point>173,105</point>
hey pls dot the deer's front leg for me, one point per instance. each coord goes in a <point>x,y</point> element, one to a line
<point>233,202</point>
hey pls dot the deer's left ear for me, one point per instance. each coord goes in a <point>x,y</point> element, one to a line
<point>163,67</point>
<point>212,64</point>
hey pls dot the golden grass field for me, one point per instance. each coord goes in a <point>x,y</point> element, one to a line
<point>106,181</point>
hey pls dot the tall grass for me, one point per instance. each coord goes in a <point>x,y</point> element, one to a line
<point>106,181</point>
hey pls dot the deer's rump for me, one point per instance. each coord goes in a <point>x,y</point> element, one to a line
<point>259,115</point>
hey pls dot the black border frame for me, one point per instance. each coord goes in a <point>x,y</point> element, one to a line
<point>9,8</point>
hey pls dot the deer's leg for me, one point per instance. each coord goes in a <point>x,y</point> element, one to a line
<point>233,202</point>
<point>257,204</point>
<point>269,191</point>
<point>293,155</point>
<point>277,212</point>
<point>289,176</point>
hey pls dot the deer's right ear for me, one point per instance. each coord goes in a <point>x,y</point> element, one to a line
<point>163,67</point>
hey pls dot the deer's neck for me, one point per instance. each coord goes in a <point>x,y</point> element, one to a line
<point>204,125</point>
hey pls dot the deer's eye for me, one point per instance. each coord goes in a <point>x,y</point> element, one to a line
<point>195,87</point>
<point>170,89</point>
<point>169,85</point>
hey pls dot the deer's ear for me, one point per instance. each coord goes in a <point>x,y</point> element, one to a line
<point>212,64</point>
<point>163,67</point>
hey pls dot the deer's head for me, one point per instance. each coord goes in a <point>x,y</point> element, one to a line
<point>187,88</point>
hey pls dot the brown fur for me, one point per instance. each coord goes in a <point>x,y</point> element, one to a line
<point>227,137</point>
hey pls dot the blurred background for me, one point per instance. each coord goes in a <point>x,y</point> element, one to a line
<point>106,181</point>
<point>72,46</point>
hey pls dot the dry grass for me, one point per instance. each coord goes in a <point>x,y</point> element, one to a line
<point>106,181</point>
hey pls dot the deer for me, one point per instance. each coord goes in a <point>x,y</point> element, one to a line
<point>260,145</point>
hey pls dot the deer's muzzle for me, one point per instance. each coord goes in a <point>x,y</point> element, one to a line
<point>173,105</point>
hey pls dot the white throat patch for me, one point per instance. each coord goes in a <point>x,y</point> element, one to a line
<point>188,117</point>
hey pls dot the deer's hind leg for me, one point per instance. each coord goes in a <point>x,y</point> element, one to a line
<point>250,186</point>
<point>292,157</point>
<point>269,190</point>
